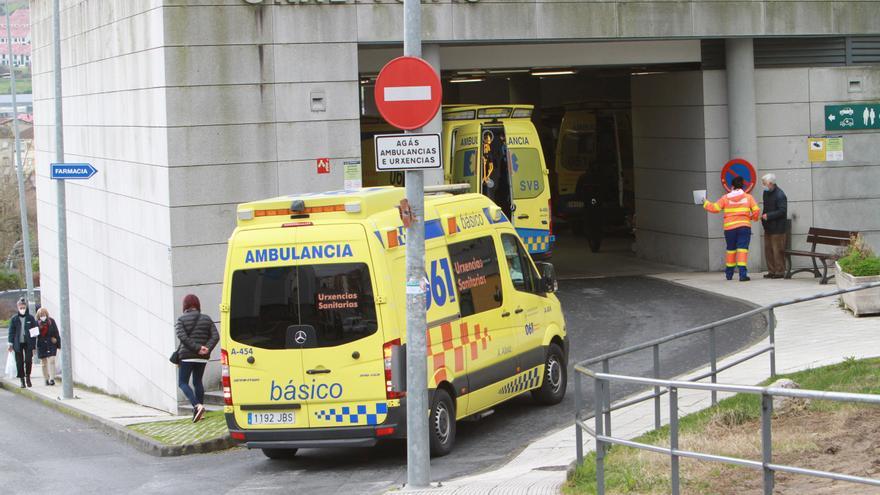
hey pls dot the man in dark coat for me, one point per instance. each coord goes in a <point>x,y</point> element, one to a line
<point>21,341</point>
<point>773,220</point>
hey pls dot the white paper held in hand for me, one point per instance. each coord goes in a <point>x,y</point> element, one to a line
<point>699,196</point>
<point>35,332</point>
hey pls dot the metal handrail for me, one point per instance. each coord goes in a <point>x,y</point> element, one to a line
<point>604,407</point>
<point>731,319</point>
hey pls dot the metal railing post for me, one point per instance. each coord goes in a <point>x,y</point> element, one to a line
<point>657,389</point>
<point>713,363</point>
<point>578,405</point>
<point>767,441</point>
<point>606,386</point>
<point>600,445</point>
<point>673,438</point>
<point>771,331</point>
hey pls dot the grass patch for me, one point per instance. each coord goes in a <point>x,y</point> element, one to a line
<point>22,86</point>
<point>731,428</point>
<point>184,432</point>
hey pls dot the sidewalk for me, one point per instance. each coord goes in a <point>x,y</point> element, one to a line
<point>113,415</point>
<point>808,335</point>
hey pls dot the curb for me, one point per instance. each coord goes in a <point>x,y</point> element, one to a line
<point>137,440</point>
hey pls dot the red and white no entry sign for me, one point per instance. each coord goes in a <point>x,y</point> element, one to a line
<point>408,92</point>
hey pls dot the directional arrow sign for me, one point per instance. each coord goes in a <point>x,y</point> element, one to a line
<point>852,117</point>
<point>65,171</point>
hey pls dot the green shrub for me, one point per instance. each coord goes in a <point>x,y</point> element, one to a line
<point>9,280</point>
<point>859,260</point>
<point>860,267</point>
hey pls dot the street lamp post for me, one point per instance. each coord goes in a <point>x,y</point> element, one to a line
<point>19,171</point>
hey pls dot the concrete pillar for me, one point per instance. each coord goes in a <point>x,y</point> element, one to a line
<point>431,53</point>
<point>743,134</point>
<point>741,120</point>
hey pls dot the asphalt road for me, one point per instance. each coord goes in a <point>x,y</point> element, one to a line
<point>43,451</point>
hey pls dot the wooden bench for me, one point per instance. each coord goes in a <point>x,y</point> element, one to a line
<point>816,236</point>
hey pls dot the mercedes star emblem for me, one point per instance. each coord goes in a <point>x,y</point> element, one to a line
<point>300,337</point>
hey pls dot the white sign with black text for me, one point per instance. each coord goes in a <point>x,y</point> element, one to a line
<point>407,152</point>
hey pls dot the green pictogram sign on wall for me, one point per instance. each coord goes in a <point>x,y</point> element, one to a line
<point>852,117</point>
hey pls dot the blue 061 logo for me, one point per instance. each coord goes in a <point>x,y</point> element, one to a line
<point>441,287</point>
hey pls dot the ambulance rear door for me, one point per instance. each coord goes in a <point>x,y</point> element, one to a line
<point>530,193</point>
<point>343,360</point>
<point>264,359</point>
<point>466,164</point>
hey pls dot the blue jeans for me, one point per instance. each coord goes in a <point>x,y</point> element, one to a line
<point>197,370</point>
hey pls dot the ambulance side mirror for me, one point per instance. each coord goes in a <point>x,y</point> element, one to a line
<point>549,284</point>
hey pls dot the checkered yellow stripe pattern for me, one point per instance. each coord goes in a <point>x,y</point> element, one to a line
<point>536,240</point>
<point>355,415</point>
<point>526,380</point>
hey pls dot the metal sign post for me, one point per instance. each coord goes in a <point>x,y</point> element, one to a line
<point>418,455</point>
<point>63,290</point>
<point>19,170</point>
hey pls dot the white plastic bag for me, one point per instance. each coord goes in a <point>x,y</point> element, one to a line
<point>11,371</point>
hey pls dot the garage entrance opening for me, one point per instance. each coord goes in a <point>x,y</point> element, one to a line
<point>584,122</point>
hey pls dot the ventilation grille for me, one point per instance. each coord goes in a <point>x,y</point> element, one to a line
<point>800,52</point>
<point>864,50</point>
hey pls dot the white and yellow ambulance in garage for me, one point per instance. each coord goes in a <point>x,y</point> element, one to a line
<point>314,302</point>
<point>496,149</point>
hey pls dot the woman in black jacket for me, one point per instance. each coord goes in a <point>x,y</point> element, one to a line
<point>198,335</point>
<point>48,343</point>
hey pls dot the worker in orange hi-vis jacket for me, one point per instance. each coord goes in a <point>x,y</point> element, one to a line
<point>740,210</point>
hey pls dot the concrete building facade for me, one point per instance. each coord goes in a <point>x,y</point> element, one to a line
<point>188,107</point>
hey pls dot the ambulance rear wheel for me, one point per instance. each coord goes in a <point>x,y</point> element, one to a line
<point>441,428</point>
<point>555,378</point>
<point>279,454</point>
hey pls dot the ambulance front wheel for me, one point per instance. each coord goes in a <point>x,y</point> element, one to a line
<point>279,454</point>
<point>555,378</point>
<point>441,429</point>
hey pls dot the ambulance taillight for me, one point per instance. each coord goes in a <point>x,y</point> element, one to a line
<point>390,393</point>
<point>224,377</point>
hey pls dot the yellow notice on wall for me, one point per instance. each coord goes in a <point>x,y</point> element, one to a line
<point>817,149</point>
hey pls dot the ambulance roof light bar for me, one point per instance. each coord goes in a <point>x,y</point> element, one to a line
<point>459,115</point>
<point>448,189</point>
<point>494,113</point>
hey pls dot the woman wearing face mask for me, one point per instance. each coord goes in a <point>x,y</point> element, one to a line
<point>48,343</point>
<point>21,342</point>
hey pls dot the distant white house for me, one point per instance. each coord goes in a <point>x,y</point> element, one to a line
<point>20,32</point>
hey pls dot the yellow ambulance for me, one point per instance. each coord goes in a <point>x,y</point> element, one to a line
<point>496,149</point>
<point>313,306</point>
<point>575,154</point>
